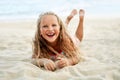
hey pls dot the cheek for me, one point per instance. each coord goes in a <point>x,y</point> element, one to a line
<point>59,30</point>
<point>42,31</point>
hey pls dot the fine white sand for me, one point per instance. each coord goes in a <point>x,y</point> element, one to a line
<point>100,46</point>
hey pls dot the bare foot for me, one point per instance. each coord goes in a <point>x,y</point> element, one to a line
<point>81,13</point>
<point>72,14</point>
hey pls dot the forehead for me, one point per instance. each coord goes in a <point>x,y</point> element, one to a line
<point>49,18</point>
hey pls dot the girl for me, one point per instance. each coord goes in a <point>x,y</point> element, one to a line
<point>52,46</point>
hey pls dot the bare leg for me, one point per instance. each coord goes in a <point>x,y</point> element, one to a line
<point>72,14</point>
<point>79,31</point>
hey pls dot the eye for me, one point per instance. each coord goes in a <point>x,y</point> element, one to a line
<point>54,25</point>
<point>45,26</point>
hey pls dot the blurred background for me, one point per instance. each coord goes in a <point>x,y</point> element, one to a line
<point>11,9</point>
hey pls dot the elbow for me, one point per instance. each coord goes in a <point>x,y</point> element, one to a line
<point>77,60</point>
<point>74,61</point>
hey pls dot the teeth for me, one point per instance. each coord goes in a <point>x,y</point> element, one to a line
<point>51,34</point>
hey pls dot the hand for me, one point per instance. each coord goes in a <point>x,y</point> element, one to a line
<point>62,62</point>
<point>49,65</point>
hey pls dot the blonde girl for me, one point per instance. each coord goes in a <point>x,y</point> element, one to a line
<point>52,46</point>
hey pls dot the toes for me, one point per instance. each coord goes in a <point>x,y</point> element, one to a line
<point>81,12</point>
<point>74,12</point>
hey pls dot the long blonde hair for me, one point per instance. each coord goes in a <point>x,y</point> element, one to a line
<point>41,48</point>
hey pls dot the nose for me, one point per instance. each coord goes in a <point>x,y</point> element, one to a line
<point>50,28</point>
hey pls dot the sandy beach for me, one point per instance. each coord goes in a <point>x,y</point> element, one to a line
<point>100,46</point>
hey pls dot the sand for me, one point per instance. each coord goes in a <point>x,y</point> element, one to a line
<point>100,46</point>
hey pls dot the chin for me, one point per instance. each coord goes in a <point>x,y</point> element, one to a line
<point>51,41</point>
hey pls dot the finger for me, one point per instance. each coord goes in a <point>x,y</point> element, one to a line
<point>45,67</point>
<point>52,67</point>
<point>62,65</point>
<point>59,58</point>
<point>49,68</point>
<point>63,62</point>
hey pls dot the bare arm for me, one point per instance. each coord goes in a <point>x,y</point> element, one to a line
<point>44,62</point>
<point>38,62</point>
<point>73,60</point>
<point>62,62</point>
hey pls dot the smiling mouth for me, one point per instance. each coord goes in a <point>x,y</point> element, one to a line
<point>51,35</point>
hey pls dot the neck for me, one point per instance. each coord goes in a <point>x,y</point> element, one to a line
<point>55,46</point>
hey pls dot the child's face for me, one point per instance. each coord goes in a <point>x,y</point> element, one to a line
<point>49,28</point>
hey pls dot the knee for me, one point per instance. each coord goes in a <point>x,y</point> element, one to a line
<point>79,36</point>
